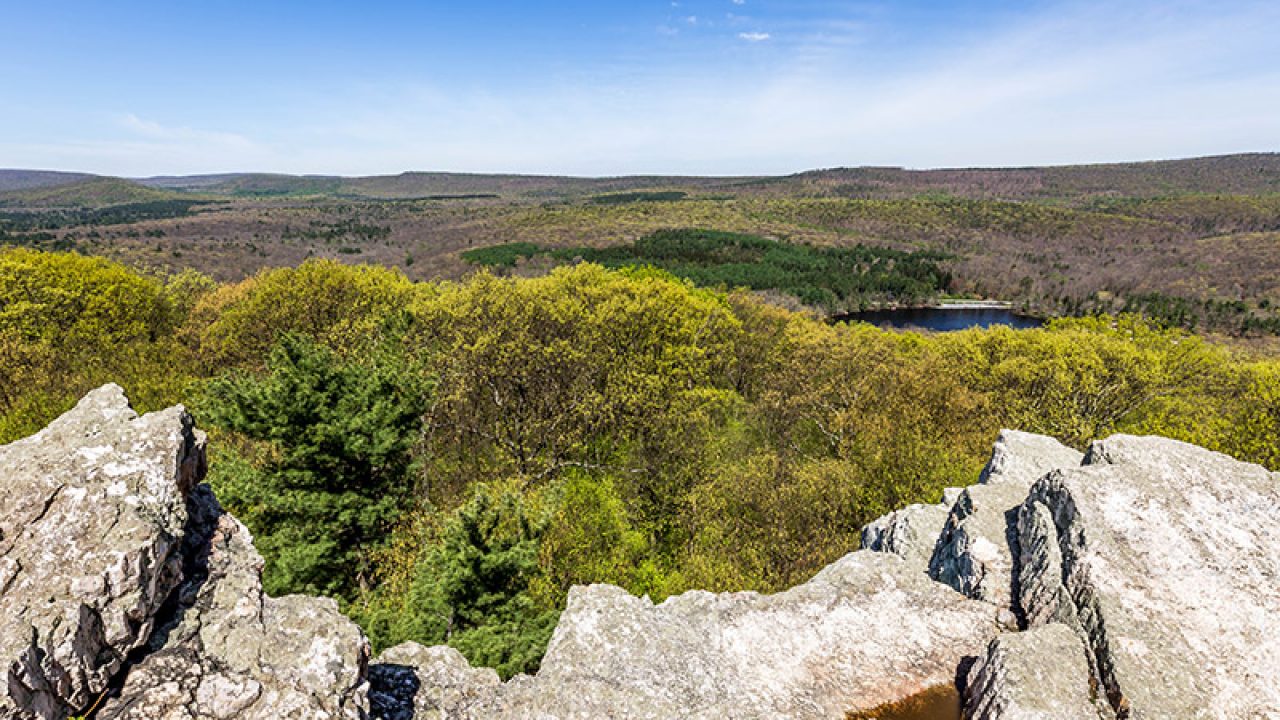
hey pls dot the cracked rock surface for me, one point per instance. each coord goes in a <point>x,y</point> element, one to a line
<point>119,572</point>
<point>910,533</point>
<point>1041,674</point>
<point>93,520</point>
<point>412,682</point>
<point>868,629</point>
<point>1165,557</point>
<point>974,553</point>
<point>236,653</point>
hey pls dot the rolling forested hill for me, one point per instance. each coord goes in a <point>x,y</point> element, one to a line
<point>1188,242</point>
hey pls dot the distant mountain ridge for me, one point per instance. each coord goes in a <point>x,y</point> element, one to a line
<point>1248,174</point>
<point>11,180</point>
<point>89,192</point>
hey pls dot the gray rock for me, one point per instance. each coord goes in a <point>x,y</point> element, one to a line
<point>1166,558</point>
<point>412,682</point>
<point>118,570</point>
<point>1042,674</point>
<point>974,553</point>
<point>910,533</point>
<point>94,515</point>
<point>867,630</point>
<point>1021,458</point>
<point>233,652</point>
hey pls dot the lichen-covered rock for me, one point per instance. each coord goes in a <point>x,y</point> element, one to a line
<point>1166,558</point>
<point>1042,674</point>
<point>412,682</point>
<point>910,533</point>
<point>90,536</point>
<point>866,630</point>
<point>975,552</point>
<point>233,652</point>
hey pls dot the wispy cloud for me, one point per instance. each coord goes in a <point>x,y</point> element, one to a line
<point>154,131</point>
<point>754,36</point>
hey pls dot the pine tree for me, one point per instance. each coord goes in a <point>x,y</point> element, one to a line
<point>339,434</point>
<point>472,589</point>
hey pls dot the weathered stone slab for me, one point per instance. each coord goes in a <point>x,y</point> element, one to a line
<point>868,629</point>
<point>1042,674</point>
<point>1021,458</point>
<point>412,682</point>
<point>1166,557</point>
<point>94,515</point>
<point>911,533</point>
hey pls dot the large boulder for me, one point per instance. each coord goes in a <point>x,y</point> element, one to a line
<point>125,589</point>
<point>1041,674</point>
<point>94,516</point>
<point>867,630</point>
<point>1166,558</point>
<point>975,551</point>
<point>1021,458</point>
<point>232,652</point>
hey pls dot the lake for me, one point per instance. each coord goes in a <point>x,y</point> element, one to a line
<point>942,319</point>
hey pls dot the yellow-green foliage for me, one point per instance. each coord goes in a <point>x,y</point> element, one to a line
<point>541,374</point>
<point>1082,379</point>
<point>339,305</point>
<point>69,323</point>
<point>642,431</point>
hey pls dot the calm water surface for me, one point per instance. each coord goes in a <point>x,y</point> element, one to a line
<point>942,319</point>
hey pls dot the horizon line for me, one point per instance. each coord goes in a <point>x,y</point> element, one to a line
<point>830,168</point>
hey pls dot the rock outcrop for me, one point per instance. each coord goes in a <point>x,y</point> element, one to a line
<point>235,653</point>
<point>94,516</point>
<point>978,540</point>
<point>1145,578</point>
<point>412,682</point>
<point>910,533</point>
<point>804,653</point>
<point>118,571</point>
<point>1166,558</point>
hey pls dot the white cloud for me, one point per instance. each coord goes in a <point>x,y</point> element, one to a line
<point>754,36</point>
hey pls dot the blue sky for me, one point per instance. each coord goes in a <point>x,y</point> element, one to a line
<point>694,86</point>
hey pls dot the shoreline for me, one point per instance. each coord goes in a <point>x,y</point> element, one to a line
<point>972,305</point>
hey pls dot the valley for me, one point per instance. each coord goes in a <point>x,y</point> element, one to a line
<point>1192,243</point>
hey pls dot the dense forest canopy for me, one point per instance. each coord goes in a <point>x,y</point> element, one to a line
<point>449,458</point>
<point>831,278</point>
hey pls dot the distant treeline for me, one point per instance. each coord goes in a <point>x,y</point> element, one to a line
<point>27,221</point>
<point>640,196</point>
<point>343,229</point>
<point>832,278</point>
